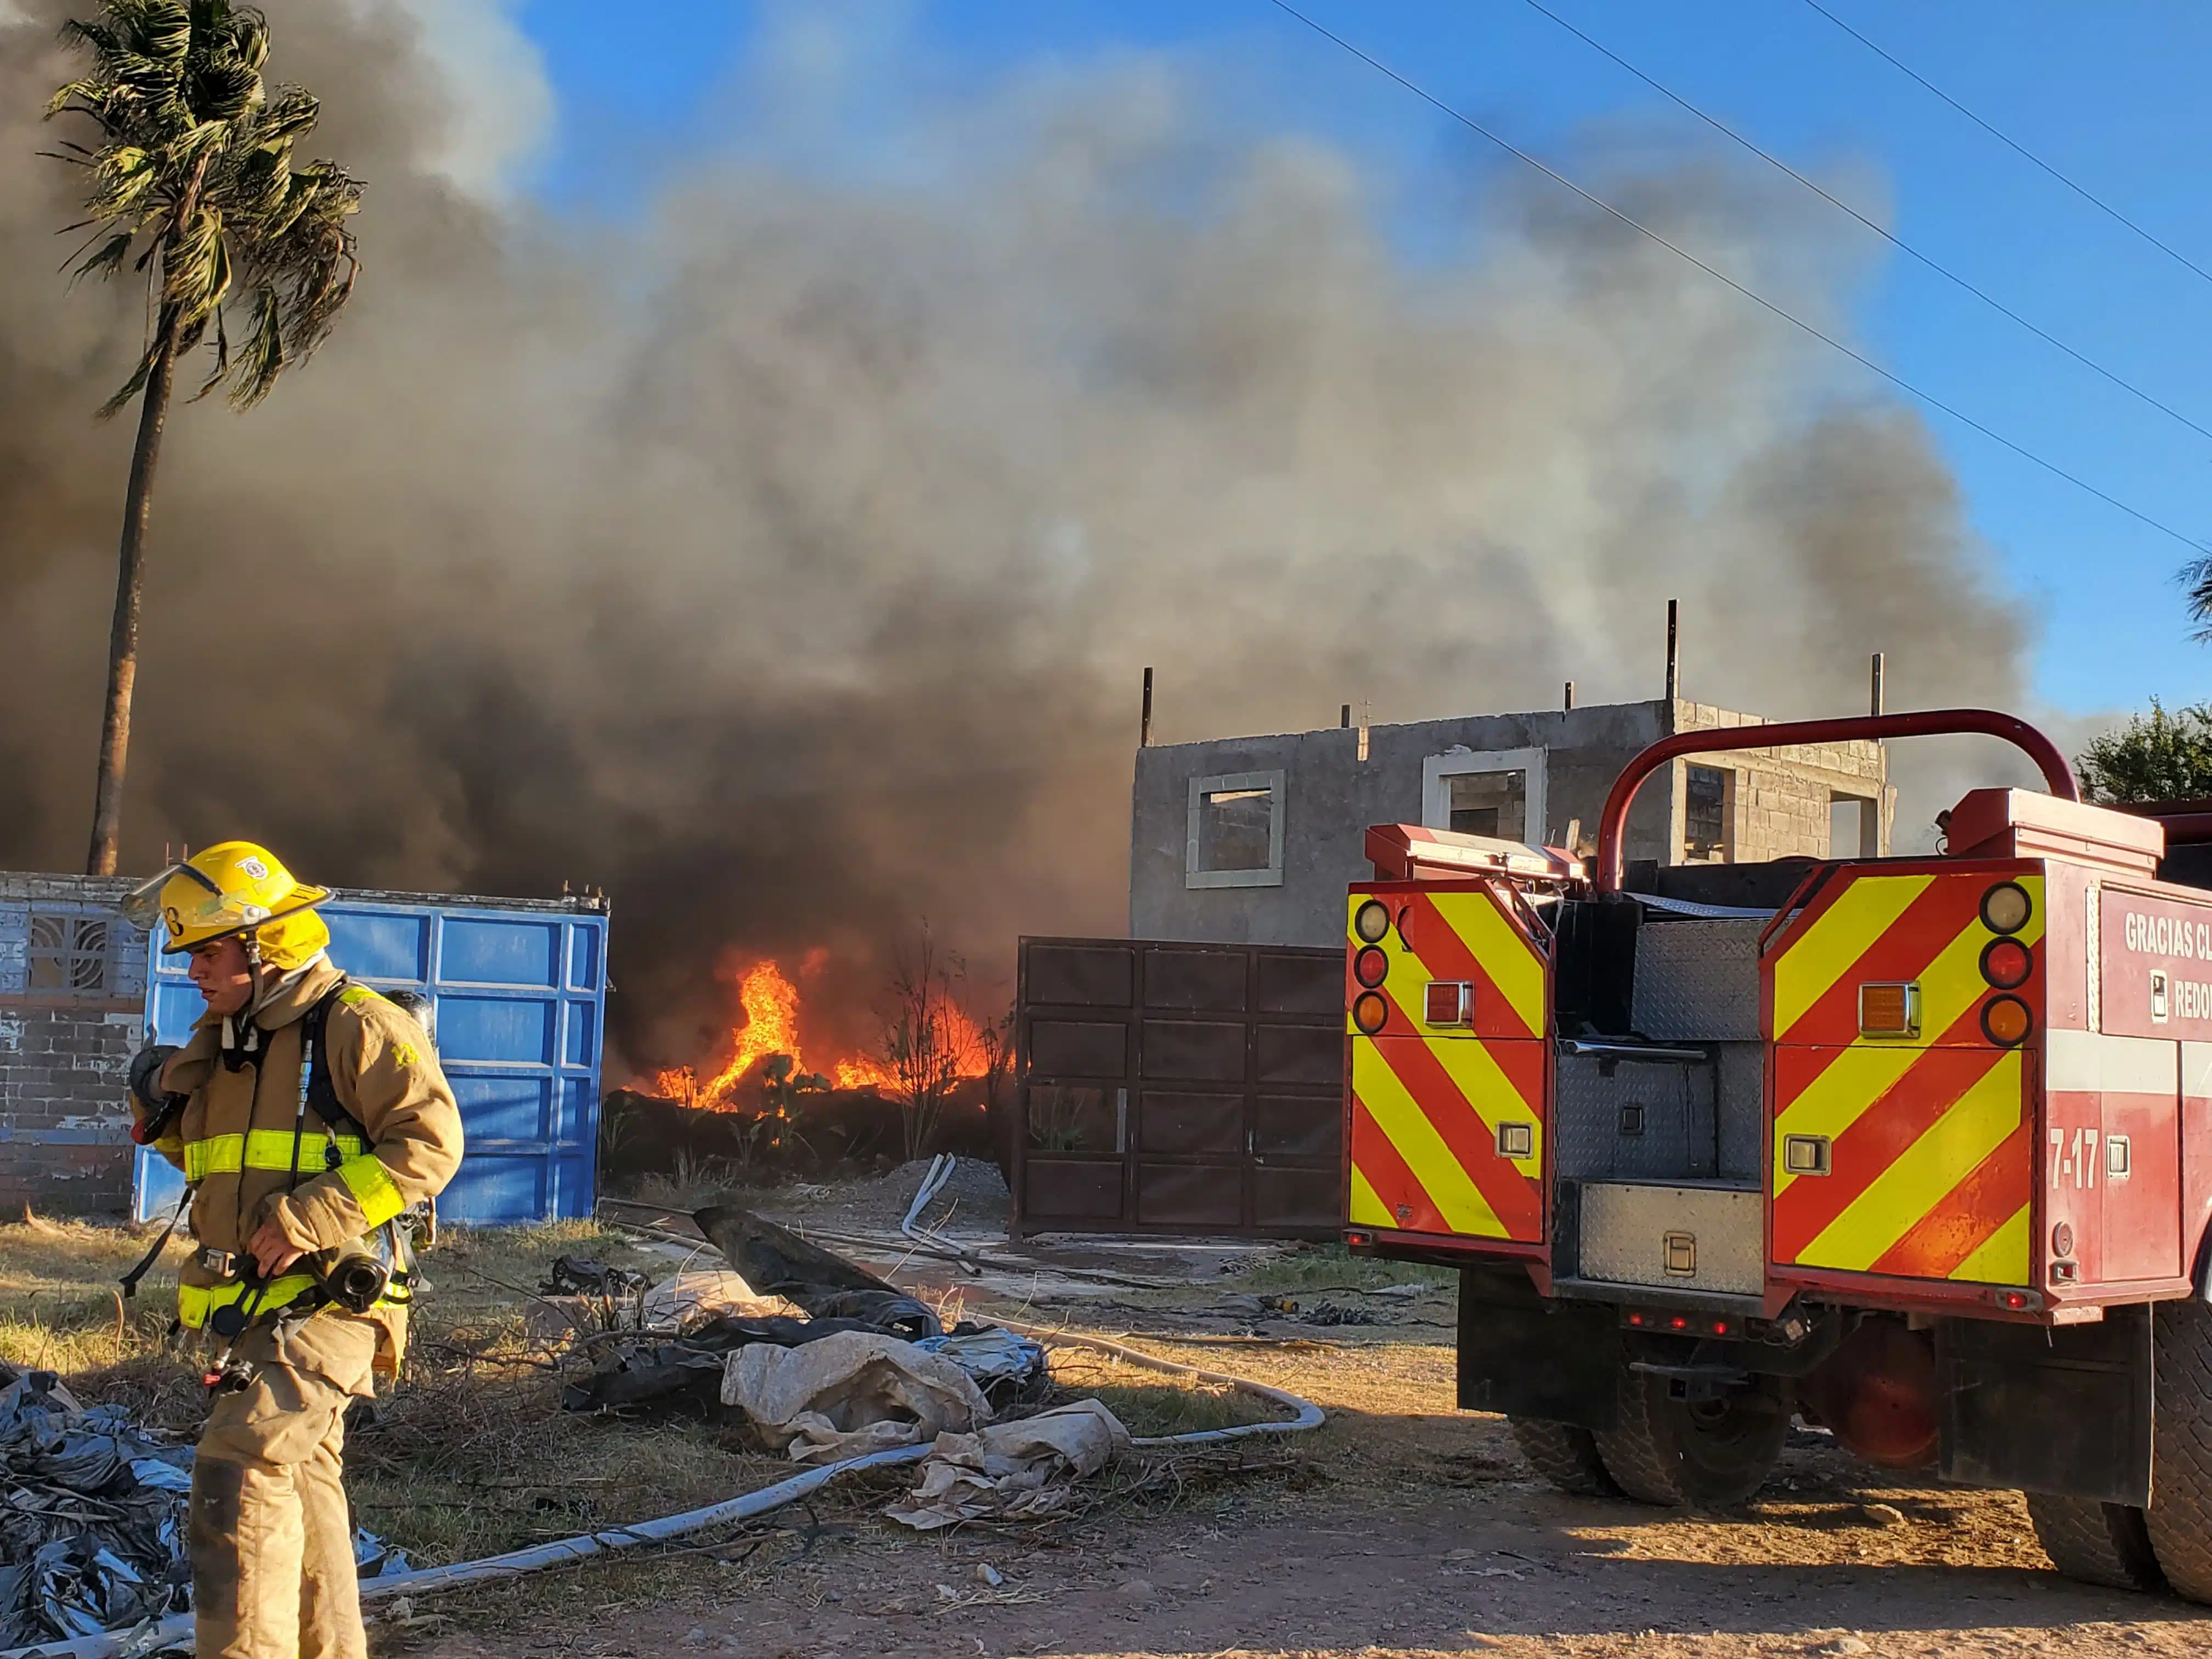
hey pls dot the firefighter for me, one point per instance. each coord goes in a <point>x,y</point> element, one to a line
<point>308,1114</point>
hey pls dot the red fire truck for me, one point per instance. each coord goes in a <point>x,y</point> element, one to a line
<point>1917,1149</point>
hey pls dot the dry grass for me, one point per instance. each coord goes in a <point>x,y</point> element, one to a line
<point>1148,1403</point>
<point>473,1455</point>
<point>1310,1268</point>
<point>470,1457</point>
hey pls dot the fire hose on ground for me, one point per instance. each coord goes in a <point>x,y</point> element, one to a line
<point>129,1644</point>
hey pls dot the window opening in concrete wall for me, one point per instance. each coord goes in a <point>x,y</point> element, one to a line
<point>1706,815</point>
<point>1490,803</point>
<point>1236,831</point>
<point>1853,829</point>
<point>1496,792</point>
<point>67,955</point>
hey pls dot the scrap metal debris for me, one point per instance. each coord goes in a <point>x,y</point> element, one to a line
<point>573,1275</point>
<point>92,1517</point>
<point>776,1261</point>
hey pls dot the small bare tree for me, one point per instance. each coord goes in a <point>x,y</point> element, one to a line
<point>921,1041</point>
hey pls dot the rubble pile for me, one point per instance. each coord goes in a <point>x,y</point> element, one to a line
<point>861,1367</point>
<point>681,1347</point>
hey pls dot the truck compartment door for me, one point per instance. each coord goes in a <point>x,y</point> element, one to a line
<point>1446,993</point>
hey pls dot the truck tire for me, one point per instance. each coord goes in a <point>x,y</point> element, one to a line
<point>2180,1514</point>
<point>1712,1454</point>
<point>2106,1544</point>
<point>1564,1456</point>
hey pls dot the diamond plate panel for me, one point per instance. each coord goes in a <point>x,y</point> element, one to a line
<point>1742,1111</point>
<point>1630,1233</point>
<point>1697,980</point>
<point>1592,1139</point>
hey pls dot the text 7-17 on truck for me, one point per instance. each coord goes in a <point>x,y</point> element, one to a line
<point>1917,1149</point>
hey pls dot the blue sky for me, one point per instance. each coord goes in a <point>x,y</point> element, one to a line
<point>2111,95</point>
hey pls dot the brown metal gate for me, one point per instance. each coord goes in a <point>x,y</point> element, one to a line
<point>1173,1088</point>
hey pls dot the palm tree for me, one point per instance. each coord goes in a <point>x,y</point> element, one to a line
<point>2196,577</point>
<point>190,183</point>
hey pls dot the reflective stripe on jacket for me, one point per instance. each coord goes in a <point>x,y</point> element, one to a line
<point>235,1138</point>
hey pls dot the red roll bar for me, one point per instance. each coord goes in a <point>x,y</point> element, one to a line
<point>1922,723</point>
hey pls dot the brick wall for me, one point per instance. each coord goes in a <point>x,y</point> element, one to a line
<point>72,1012</point>
<point>1780,800</point>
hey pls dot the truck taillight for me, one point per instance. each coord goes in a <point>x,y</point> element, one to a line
<point>1889,1010</point>
<point>2006,907</point>
<point>2006,964</point>
<point>2016,1301</point>
<point>2006,1021</point>
<point>1372,921</point>
<point>1370,967</point>
<point>1448,1002</point>
<point>1370,1012</point>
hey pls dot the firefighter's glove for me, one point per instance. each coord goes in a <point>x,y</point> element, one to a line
<point>146,1075</point>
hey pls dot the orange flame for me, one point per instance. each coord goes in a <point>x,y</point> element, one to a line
<point>957,1037</point>
<point>770,1004</point>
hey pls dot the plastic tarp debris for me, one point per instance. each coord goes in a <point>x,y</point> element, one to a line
<point>92,1517</point>
<point>704,1293</point>
<point>1021,1471</point>
<point>850,1394</point>
<point>679,1358</point>
<point>1003,1364</point>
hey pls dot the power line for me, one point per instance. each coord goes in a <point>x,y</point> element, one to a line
<point>1895,241</point>
<point>2101,205</point>
<point>1759,300</point>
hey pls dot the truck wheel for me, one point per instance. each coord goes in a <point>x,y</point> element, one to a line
<point>2180,1514</point>
<point>1710,1453</point>
<point>2098,1543</point>
<point>1564,1456</point>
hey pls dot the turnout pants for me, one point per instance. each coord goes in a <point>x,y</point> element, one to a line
<point>271,1534</point>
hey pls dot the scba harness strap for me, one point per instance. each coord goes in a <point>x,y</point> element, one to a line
<point>345,1147</point>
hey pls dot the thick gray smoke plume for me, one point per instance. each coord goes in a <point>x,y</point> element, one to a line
<point>785,561</point>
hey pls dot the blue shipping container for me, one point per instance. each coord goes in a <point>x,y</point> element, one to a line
<point>519,988</point>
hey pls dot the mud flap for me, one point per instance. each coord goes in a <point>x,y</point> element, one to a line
<point>2065,1411</point>
<point>1524,1356</point>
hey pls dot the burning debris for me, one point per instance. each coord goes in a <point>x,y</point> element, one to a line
<point>931,1041</point>
<point>934,1082</point>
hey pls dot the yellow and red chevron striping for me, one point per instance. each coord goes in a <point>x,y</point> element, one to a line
<point>1931,1165</point>
<point>1984,1216</point>
<point>1440,1113</point>
<point>1427,1102</point>
<point>1884,1131</point>
<point>1466,936</point>
<point>1385,1191</point>
<point>1940,913</point>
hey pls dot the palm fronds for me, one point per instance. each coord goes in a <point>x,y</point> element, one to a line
<point>192,182</point>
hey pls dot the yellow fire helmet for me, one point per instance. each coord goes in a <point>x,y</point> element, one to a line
<point>234,887</point>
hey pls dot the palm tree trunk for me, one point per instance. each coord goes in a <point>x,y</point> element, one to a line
<point>123,636</point>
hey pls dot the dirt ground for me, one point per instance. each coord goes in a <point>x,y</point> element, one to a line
<point>1401,1526</point>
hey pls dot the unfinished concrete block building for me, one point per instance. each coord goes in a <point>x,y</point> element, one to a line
<point>1253,841</point>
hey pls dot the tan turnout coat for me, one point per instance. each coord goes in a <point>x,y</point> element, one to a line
<point>235,1140</point>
